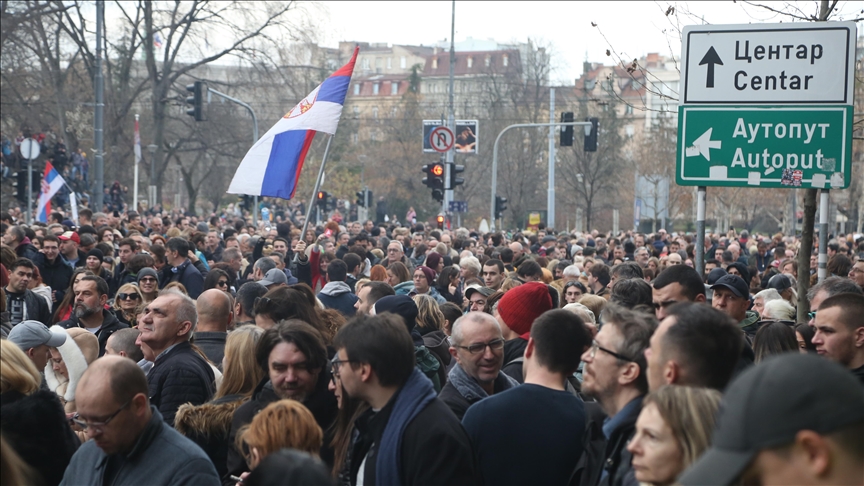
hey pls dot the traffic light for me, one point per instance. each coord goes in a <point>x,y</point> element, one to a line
<point>323,200</point>
<point>500,206</point>
<point>199,93</point>
<point>361,198</point>
<point>591,138</point>
<point>440,220</point>
<point>20,185</point>
<point>435,180</point>
<point>566,131</point>
<point>455,180</point>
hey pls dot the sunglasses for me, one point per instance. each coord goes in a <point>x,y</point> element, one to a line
<point>148,279</point>
<point>129,296</point>
<point>222,283</point>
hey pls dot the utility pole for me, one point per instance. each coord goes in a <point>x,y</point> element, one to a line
<point>98,121</point>
<point>550,198</point>
<point>451,117</point>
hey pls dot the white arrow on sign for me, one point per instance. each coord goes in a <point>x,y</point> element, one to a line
<point>703,145</point>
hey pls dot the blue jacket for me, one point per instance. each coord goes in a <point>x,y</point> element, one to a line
<point>160,456</point>
<point>337,295</point>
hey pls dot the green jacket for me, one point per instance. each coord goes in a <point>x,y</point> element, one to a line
<point>749,325</point>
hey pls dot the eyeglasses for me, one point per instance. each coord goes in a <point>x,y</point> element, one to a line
<point>494,345</point>
<point>811,315</point>
<point>222,283</point>
<point>335,363</point>
<point>148,280</point>
<point>98,425</point>
<point>595,346</point>
<point>129,296</point>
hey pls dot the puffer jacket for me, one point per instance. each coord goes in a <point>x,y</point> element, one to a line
<point>209,425</point>
<point>179,376</point>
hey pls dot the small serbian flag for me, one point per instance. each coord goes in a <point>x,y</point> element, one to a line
<point>272,166</point>
<point>51,183</point>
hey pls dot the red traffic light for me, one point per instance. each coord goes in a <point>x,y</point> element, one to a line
<point>320,194</point>
<point>438,170</point>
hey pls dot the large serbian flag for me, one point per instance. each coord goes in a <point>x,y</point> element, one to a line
<point>272,166</point>
<point>51,183</point>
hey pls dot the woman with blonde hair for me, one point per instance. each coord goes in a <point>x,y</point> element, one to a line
<point>595,304</point>
<point>430,325</point>
<point>69,362</point>
<point>209,425</point>
<point>126,304</point>
<point>33,421</point>
<point>285,423</point>
<point>673,429</point>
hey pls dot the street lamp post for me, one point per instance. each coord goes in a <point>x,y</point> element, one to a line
<point>151,190</point>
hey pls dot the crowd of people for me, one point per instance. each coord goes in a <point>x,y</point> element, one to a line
<point>167,349</point>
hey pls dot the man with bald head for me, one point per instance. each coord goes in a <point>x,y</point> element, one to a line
<point>131,443</point>
<point>179,374</point>
<point>518,253</point>
<point>214,320</point>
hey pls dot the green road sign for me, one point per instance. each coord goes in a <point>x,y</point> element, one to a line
<point>764,146</point>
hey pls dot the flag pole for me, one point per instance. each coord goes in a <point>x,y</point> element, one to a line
<point>314,193</point>
<point>137,151</point>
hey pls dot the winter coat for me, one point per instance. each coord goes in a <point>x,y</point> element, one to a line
<point>35,308</point>
<point>25,249</point>
<point>35,426</point>
<point>56,274</point>
<point>178,376</point>
<point>434,448</point>
<point>462,391</point>
<point>80,349</point>
<point>209,425</point>
<point>110,325</point>
<point>160,456</point>
<point>337,295</point>
<point>187,274</point>
<point>321,402</point>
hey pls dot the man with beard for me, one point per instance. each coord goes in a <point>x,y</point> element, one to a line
<point>91,294</point>
<point>294,360</point>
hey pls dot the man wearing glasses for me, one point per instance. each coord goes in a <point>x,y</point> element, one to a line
<point>131,443</point>
<point>615,375</point>
<point>477,344</point>
<point>88,311</point>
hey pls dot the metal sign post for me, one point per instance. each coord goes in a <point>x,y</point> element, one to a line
<point>30,150</point>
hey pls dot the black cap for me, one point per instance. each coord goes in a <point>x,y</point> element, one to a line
<point>715,275</point>
<point>780,282</point>
<point>742,269</point>
<point>734,283</point>
<point>767,405</point>
<point>401,305</point>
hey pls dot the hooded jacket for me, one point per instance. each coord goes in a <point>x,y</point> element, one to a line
<point>77,353</point>
<point>337,295</point>
<point>110,325</point>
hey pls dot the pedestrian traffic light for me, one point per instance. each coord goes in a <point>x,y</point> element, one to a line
<point>500,206</point>
<point>435,180</point>
<point>455,180</point>
<point>361,198</point>
<point>591,137</point>
<point>440,220</point>
<point>199,93</point>
<point>566,131</point>
<point>20,185</point>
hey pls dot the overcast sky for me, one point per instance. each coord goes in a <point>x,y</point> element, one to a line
<point>632,29</point>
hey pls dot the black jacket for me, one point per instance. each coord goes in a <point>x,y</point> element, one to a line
<point>27,250</point>
<point>35,426</point>
<point>436,449</point>
<point>187,274</point>
<point>457,402</point>
<point>37,308</point>
<point>514,349</point>
<point>55,275</point>
<point>179,376</point>
<point>590,465</point>
<point>617,459</point>
<point>110,325</point>
<point>322,403</point>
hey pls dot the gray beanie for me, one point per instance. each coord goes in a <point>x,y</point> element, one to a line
<point>147,272</point>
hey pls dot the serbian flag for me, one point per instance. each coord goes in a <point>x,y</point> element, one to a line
<point>272,166</point>
<point>51,183</point>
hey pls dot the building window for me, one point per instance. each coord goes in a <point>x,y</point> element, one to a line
<point>628,110</point>
<point>365,63</point>
<point>505,59</point>
<point>394,88</point>
<point>389,63</point>
<point>487,61</point>
<point>374,112</point>
<point>470,62</point>
<point>357,89</point>
<point>375,88</point>
<point>434,63</point>
<point>403,63</point>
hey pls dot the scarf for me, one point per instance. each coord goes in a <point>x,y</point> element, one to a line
<point>468,387</point>
<point>411,399</point>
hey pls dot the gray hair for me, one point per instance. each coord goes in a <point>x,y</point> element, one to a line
<point>581,311</point>
<point>572,271</point>
<point>470,262</point>
<point>779,309</point>
<point>767,295</point>
<point>185,310</point>
<point>834,286</point>
<point>231,254</point>
<point>265,265</point>
<point>476,316</point>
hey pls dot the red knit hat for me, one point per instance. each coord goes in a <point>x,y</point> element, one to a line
<point>521,305</point>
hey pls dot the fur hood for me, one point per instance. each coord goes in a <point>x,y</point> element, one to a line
<point>77,352</point>
<point>211,419</point>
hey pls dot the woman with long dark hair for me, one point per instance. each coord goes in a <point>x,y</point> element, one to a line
<point>64,308</point>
